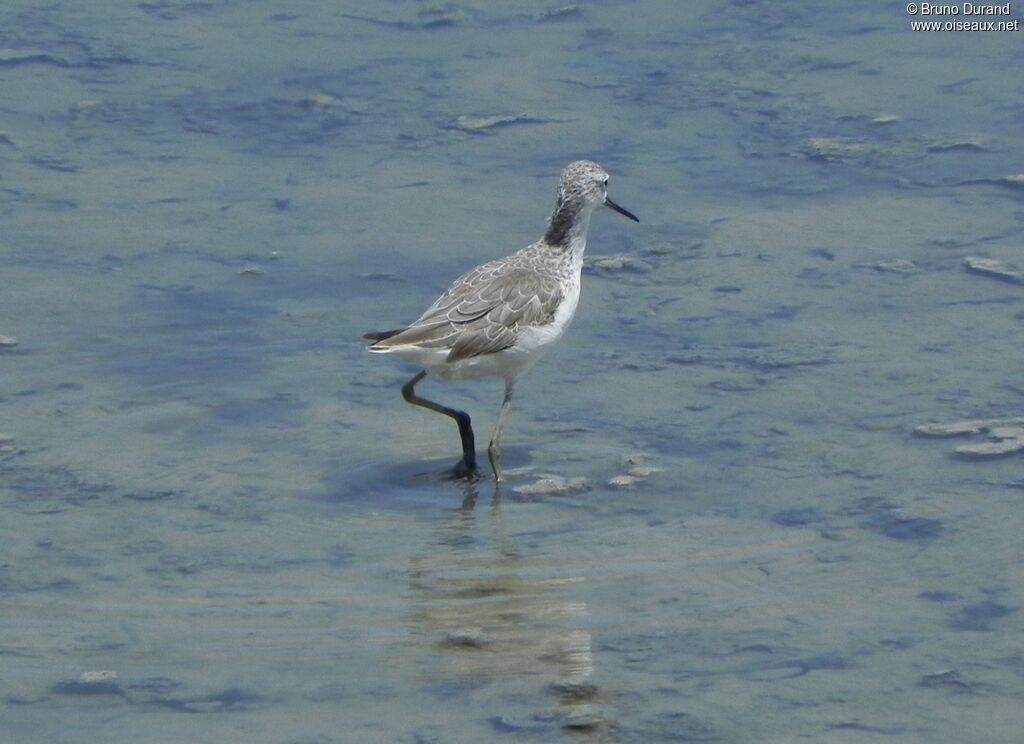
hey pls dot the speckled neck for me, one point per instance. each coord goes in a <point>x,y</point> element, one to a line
<point>568,225</point>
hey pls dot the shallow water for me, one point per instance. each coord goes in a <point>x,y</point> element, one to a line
<point>221,521</point>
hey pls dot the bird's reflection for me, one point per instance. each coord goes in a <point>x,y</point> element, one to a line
<point>498,621</point>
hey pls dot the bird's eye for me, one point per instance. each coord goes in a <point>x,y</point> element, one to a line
<point>605,181</point>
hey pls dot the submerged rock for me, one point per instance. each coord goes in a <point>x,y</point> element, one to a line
<point>1005,440</point>
<point>482,124</point>
<point>621,262</point>
<point>553,485</point>
<point>319,102</point>
<point>622,481</point>
<point>465,638</point>
<point>994,268</point>
<point>970,426</point>
<point>896,265</point>
<point>1006,436</point>
<point>637,468</point>
<point>102,682</point>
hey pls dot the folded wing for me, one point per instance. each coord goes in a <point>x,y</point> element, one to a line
<point>483,312</point>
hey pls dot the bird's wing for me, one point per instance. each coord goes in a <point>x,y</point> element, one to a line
<point>484,311</point>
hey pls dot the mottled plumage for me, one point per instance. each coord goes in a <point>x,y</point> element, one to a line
<point>497,319</point>
<point>487,308</point>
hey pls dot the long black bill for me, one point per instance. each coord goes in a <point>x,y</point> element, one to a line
<point>624,212</point>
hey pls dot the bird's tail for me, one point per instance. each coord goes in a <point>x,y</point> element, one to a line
<point>376,336</point>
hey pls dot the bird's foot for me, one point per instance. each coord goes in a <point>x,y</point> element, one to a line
<point>465,471</point>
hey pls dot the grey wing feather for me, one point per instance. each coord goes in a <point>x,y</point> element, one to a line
<point>500,309</point>
<point>484,311</point>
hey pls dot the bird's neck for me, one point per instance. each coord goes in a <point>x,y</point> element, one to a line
<point>567,228</point>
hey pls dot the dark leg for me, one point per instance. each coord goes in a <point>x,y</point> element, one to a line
<point>468,464</point>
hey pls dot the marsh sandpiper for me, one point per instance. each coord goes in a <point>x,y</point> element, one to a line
<point>497,319</point>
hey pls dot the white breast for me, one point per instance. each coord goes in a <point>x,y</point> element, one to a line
<point>539,337</point>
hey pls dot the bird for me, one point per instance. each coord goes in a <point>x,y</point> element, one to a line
<point>496,320</point>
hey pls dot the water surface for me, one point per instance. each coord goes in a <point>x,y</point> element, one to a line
<point>221,521</point>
